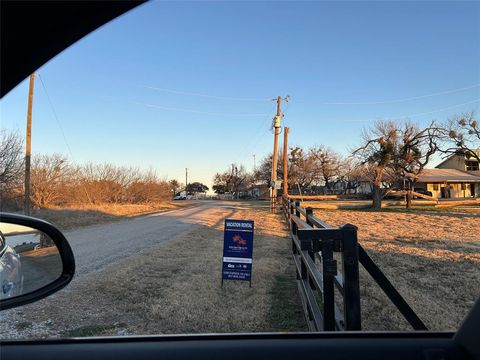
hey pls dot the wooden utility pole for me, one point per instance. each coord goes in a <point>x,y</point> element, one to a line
<point>285,160</point>
<point>186,181</point>
<point>277,125</point>
<point>28,151</point>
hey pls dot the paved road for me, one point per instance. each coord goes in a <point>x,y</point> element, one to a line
<point>98,246</point>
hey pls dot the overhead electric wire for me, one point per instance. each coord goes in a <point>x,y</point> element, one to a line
<point>61,130</point>
<point>205,95</point>
<point>403,99</point>
<point>54,113</point>
<point>377,102</point>
<point>249,146</point>
<point>200,112</point>
<point>422,113</point>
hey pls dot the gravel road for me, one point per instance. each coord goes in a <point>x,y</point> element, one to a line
<point>98,246</point>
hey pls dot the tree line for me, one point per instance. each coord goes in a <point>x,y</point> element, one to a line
<point>56,181</point>
<point>390,155</point>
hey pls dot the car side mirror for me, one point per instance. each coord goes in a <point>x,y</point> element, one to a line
<point>35,260</point>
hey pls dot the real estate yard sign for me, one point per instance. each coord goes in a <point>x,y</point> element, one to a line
<point>237,250</point>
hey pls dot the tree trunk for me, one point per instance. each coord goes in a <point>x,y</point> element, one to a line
<point>376,197</point>
<point>409,197</point>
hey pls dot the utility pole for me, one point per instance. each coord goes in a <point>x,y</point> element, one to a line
<point>277,125</point>
<point>285,160</point>
<point>233,181</point>
<point>254,164</point>
<point>186,181</point>
<point>28,151</point>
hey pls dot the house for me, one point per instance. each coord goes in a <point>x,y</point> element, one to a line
<point>258,191</point>
<point>462,163</point>
<point>457,176</point>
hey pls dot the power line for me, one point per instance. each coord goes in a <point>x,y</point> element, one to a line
<point>403,99</point>
<point>423,113</point>
<point>200,112</point>
<point>55,114</point>
<point>247,149</point>
<point>61,130</point>
<point>205,95</point>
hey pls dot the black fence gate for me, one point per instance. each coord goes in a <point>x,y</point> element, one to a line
<point>327,265</point>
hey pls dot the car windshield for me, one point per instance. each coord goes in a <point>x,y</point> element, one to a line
<point>237,167</point>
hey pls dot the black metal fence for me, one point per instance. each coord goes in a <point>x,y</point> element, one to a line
<point>327,265</point>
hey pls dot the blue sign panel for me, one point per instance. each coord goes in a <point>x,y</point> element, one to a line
<point>237,250</point>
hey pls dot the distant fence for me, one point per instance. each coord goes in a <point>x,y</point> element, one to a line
<point>331,297</point>
<point>313,197</point>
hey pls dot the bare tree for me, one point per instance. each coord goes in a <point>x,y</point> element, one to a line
<point>233,180</point>
<point>301,168</point>
<point>377,151</point>
<point>49,173</point>
<point>263,172</point>
<point>327,164</point>
<point>11,162</point>
<point>461,135</point>
<point>107,183</point>
<point>415,150</point>
<point>351,174</point>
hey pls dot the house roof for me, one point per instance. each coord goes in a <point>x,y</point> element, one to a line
<point>477,151</point>
<point>446,175</point>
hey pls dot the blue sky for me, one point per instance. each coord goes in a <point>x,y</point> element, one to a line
<point>189,84</point>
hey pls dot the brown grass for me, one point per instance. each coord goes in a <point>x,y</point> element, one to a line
<point>84,215</point>
<point>176,288</point>
<point>433,259</point>
<point>180,292</point>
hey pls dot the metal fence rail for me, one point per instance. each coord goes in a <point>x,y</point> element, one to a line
<point>331,297</point>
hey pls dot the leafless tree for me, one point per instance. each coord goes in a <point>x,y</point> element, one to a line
<point>377,151</point>
<point>301,168</point>
<point>11,162</point>
<point>263,172</point>
<point>461,135</point>
<point>327,164</point>
<point>49,174</point>
<point>415,149</point>
<point>352,174</point>
<point>107,183</point>
<point>233,180</point>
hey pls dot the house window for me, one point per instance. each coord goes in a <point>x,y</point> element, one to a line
<point>471,165</point>
<point>435,187</point>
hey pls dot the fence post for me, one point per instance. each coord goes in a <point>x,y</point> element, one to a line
<point>309,212</point>
<point>311,253</point>
<point>297,205</point>
<point>351,278</point>
<point>328,286</point>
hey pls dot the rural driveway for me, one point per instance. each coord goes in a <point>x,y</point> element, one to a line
<point>98,246</point>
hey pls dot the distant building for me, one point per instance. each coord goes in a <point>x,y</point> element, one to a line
<point>462,163</point>
<point>457,176</point>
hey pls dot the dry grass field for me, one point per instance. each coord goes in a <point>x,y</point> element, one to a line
<point>432,258</point>
<point>175,288</point>
<point>67,218</point>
